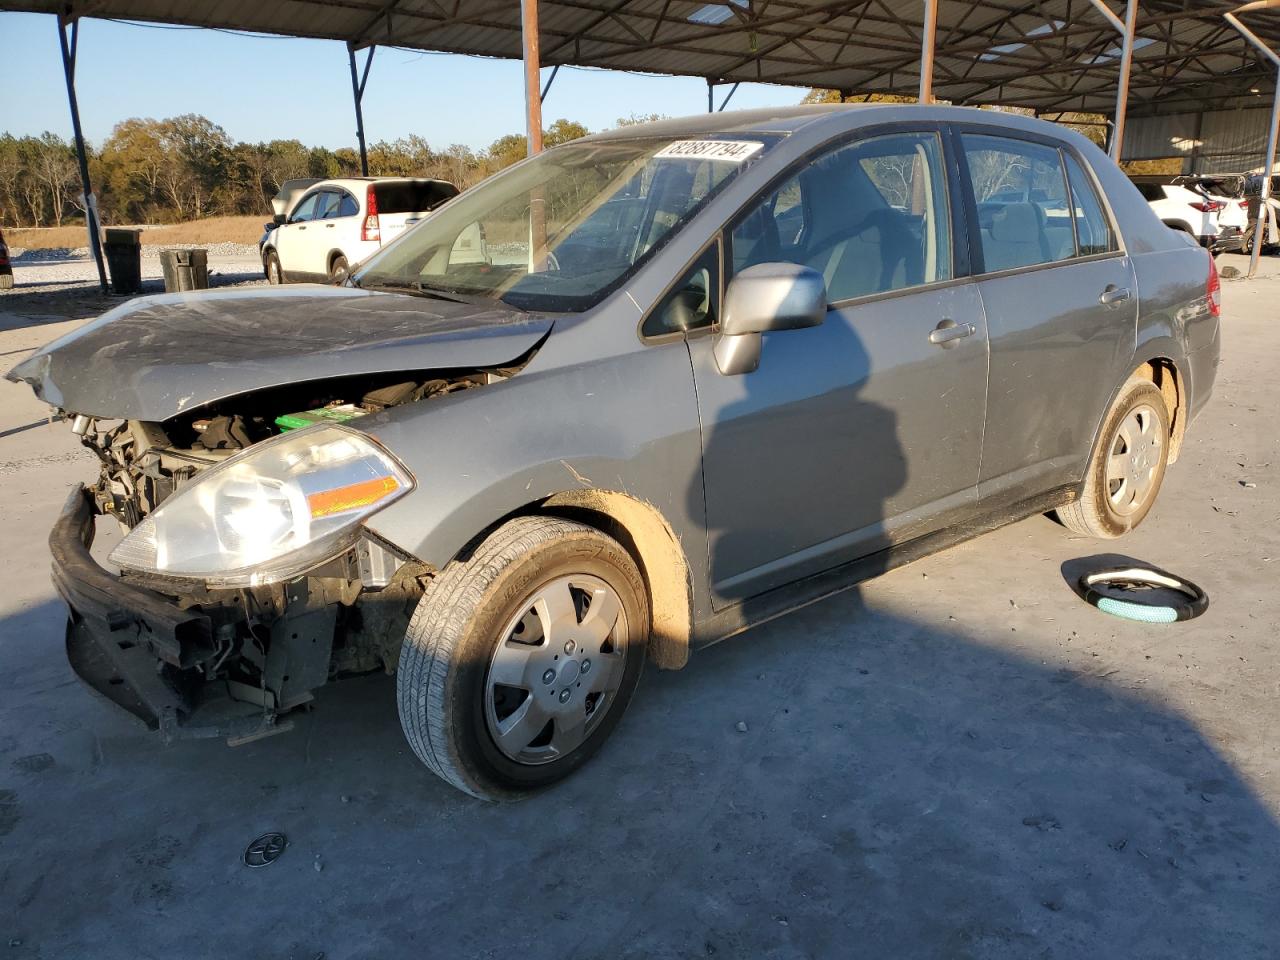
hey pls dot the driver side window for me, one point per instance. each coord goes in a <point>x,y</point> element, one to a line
<point>306,210</point>
<point>871,217</point>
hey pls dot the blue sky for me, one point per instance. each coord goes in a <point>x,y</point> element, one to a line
<point>266,88</point>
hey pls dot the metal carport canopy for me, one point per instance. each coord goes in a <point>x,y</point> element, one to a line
<point>1050,55</point>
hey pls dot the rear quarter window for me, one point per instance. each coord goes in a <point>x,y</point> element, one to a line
<point>412,197</point>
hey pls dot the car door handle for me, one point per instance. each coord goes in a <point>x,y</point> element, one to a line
<point>330,225</point>
<point>1113,295</point>
<point>948,332</point>
<point>302,227</point>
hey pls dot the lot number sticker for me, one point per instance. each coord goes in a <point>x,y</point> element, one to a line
<point>729,151</point>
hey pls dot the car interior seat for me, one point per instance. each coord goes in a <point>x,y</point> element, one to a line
<point>1017,237</point>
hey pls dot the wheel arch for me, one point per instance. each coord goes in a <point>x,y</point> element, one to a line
<point>1156,363</point>
<point>652,542</point>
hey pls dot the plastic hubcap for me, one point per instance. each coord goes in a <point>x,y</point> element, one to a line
<point>556,669</point>
<point>1134,461</point>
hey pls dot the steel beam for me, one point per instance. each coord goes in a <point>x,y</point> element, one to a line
<point>1127,29</point>
<point>928,43</point>
<point>357,94</point>
<point>728,96</point>
<point>532,75</point>
<point>1268,166</point>
<point>90,210</point>
<point>546,87</point>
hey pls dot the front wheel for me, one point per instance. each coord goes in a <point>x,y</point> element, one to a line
<point>1126,468</point>
<point>272,268</point>
<point>521,658</point>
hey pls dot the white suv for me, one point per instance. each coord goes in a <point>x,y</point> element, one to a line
<point>340,222</point>
<point>1214,223</point>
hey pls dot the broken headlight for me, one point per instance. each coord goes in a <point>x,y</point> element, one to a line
<point>269,513</point>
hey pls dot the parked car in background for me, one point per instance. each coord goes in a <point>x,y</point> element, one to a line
<point>1193,212</point>
<point>337,223</point>
<point>808,345</point>
<point>6,268</point>
<point>1264,219</point>
<point>1226,189</point>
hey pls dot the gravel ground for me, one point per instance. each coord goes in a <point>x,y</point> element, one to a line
<point>957,760</point>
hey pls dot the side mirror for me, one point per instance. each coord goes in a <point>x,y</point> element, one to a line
<point>761,299</point>
<point>279,219</point>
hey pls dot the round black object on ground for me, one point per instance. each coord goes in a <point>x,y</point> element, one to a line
<point>1143,593</point>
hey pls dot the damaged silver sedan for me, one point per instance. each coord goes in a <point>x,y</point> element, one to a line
<point>623,400</point>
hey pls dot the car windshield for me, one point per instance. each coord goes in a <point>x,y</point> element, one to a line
<point>566,228</point>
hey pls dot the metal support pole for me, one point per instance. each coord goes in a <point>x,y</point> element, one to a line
<point>711,88</point>
<point>928,43</point>
<point>1126,69</point>
<point>1264,203</point>
<point>1264,213</point>
<point>357,93</point>
<point>546,88</point>
<point>532,76</point>
<point>728,96</point>
<point>90,212</point>
<point>1127,29</point>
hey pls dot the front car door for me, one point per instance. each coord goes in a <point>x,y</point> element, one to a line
<point>292,237</point>
<point>1061,304</point>
<point>866,430</point>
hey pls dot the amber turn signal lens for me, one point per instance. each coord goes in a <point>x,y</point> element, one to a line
<point>354,495</point>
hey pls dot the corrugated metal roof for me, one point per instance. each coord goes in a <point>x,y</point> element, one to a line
<point>1052,55</point>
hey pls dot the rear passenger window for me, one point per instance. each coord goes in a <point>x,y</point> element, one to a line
<point>1024,214</point>
<point>870,217</point>
<point>1093,229</point>
<point>348,206</point>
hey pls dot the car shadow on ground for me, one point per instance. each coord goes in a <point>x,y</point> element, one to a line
<point>902,789</point>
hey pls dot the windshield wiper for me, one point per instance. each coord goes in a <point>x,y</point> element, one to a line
<point>413,288</point>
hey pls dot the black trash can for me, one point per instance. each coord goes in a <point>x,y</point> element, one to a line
<point>185,270</point>
<point>123,249</point>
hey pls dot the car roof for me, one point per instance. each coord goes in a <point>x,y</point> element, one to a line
<point>352,182</point>
<point>835,116</point>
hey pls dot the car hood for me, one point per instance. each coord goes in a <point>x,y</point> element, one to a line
<point>155,357</point>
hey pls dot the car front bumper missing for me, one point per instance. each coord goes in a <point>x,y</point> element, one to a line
<point>137,647</point>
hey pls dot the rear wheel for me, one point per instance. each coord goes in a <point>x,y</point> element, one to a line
<point>520,659</point>
<point>1126,468</point>
<point>271,264</point>
<point>338,269</point>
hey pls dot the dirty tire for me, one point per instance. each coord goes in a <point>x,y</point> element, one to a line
<point>271,266</point>
<point>338,269</point>
<point>441,683</point>
<point>1093,515</point>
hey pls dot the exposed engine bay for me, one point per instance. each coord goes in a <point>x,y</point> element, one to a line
<point>268,647</point>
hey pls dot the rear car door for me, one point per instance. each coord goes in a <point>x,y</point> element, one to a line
<point>321,238</point>
<point>1061,303</point>
<point>866,430</point>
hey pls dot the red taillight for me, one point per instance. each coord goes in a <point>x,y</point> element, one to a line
<point>1213,290</point>
<point>370,230</point>
<point>1209,206</point>
<point>1244,204</point>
